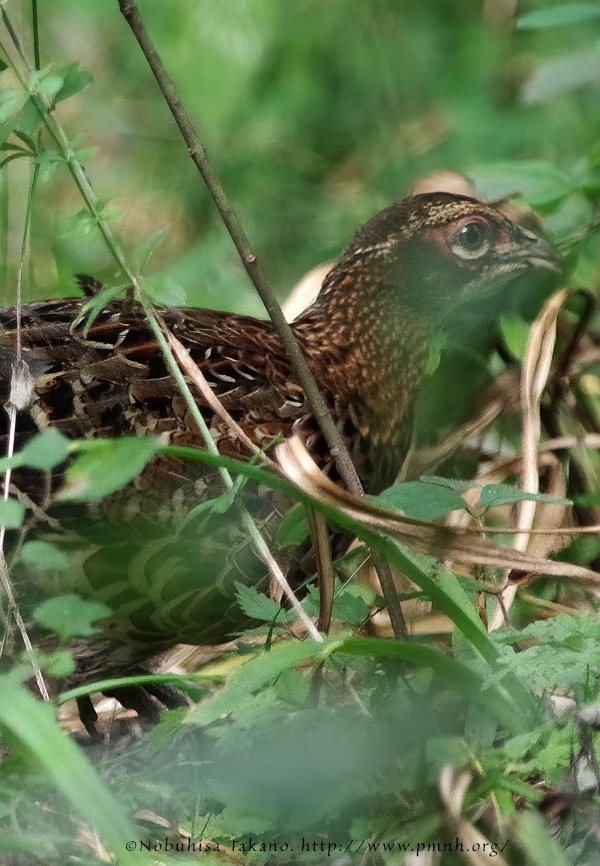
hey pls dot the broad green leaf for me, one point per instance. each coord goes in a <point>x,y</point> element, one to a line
<point>12,513</point>
<point>421,500</point>
<point>74,79</point>
<point>33,726</point>
<point>256,604</point>
<point>30,119</point>
<point>43,555</point>
<point>105,465</point>
<point>45,451</point>
<point>505,494</point>
<point>540,183</point>
<point>70,615</point>
<point>515,333</point>
<point>11,102</point>
<point>49,84</point>
<point>294,528</point>
<point>559,16</point>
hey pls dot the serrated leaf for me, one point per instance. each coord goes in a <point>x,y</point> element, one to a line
<point>43,555</point>
<point>559,16</point>
<point>421,500</point>
<point>11,513</point>
<point>294,528</point>
<point>70,615</point>
<point>255,604</point>
<point>505,494</point>
<point>105,465</point>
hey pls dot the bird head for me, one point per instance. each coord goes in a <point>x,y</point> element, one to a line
<point>430,253</point>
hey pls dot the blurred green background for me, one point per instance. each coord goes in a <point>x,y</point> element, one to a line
<point>316,116</point>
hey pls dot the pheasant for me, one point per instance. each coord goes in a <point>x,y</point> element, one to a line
<point>366,339</point>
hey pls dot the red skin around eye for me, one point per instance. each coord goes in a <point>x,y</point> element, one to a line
<point>442,236</point>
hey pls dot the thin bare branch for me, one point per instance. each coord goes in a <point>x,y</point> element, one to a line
<point>200,158</point>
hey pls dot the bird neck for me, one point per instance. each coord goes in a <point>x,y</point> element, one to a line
<point>369,350</point>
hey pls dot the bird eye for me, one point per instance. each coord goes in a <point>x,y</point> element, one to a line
<point>471,241</point>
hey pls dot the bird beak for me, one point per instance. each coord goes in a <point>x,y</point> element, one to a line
<point>537,252</point>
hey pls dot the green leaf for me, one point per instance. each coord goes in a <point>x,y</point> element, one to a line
<point>44,81</point>
<point>33,726</point>
<point>12,513</point>
<point>256,672</point>
<point>106,465</point>
<point>451,483</point>
<point>421,500</point>
<point>294,528</point>
<point>515,333</point>
<point>562,74</point>
<point>74,79</point>
<point>256,604</point>
<point>3,65</point>
<point>164,291</point>
<point>143,254</point>
<point>70,615</point>
<point>11,102</point>
<point>95,306</point>
<point>505,494</point>
<point>43,555</point>
<point>83,156</point>
<point>559,16</point>
<point>58,664</point>
<point>45,451</point>
<point>30,119</point>
<point>540,183</point>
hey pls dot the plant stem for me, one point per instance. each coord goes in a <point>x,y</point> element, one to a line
<point>200,158</point>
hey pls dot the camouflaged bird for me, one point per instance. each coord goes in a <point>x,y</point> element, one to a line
<point>366,339</point>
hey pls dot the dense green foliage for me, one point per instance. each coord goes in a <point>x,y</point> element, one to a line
<point>316,115</point>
